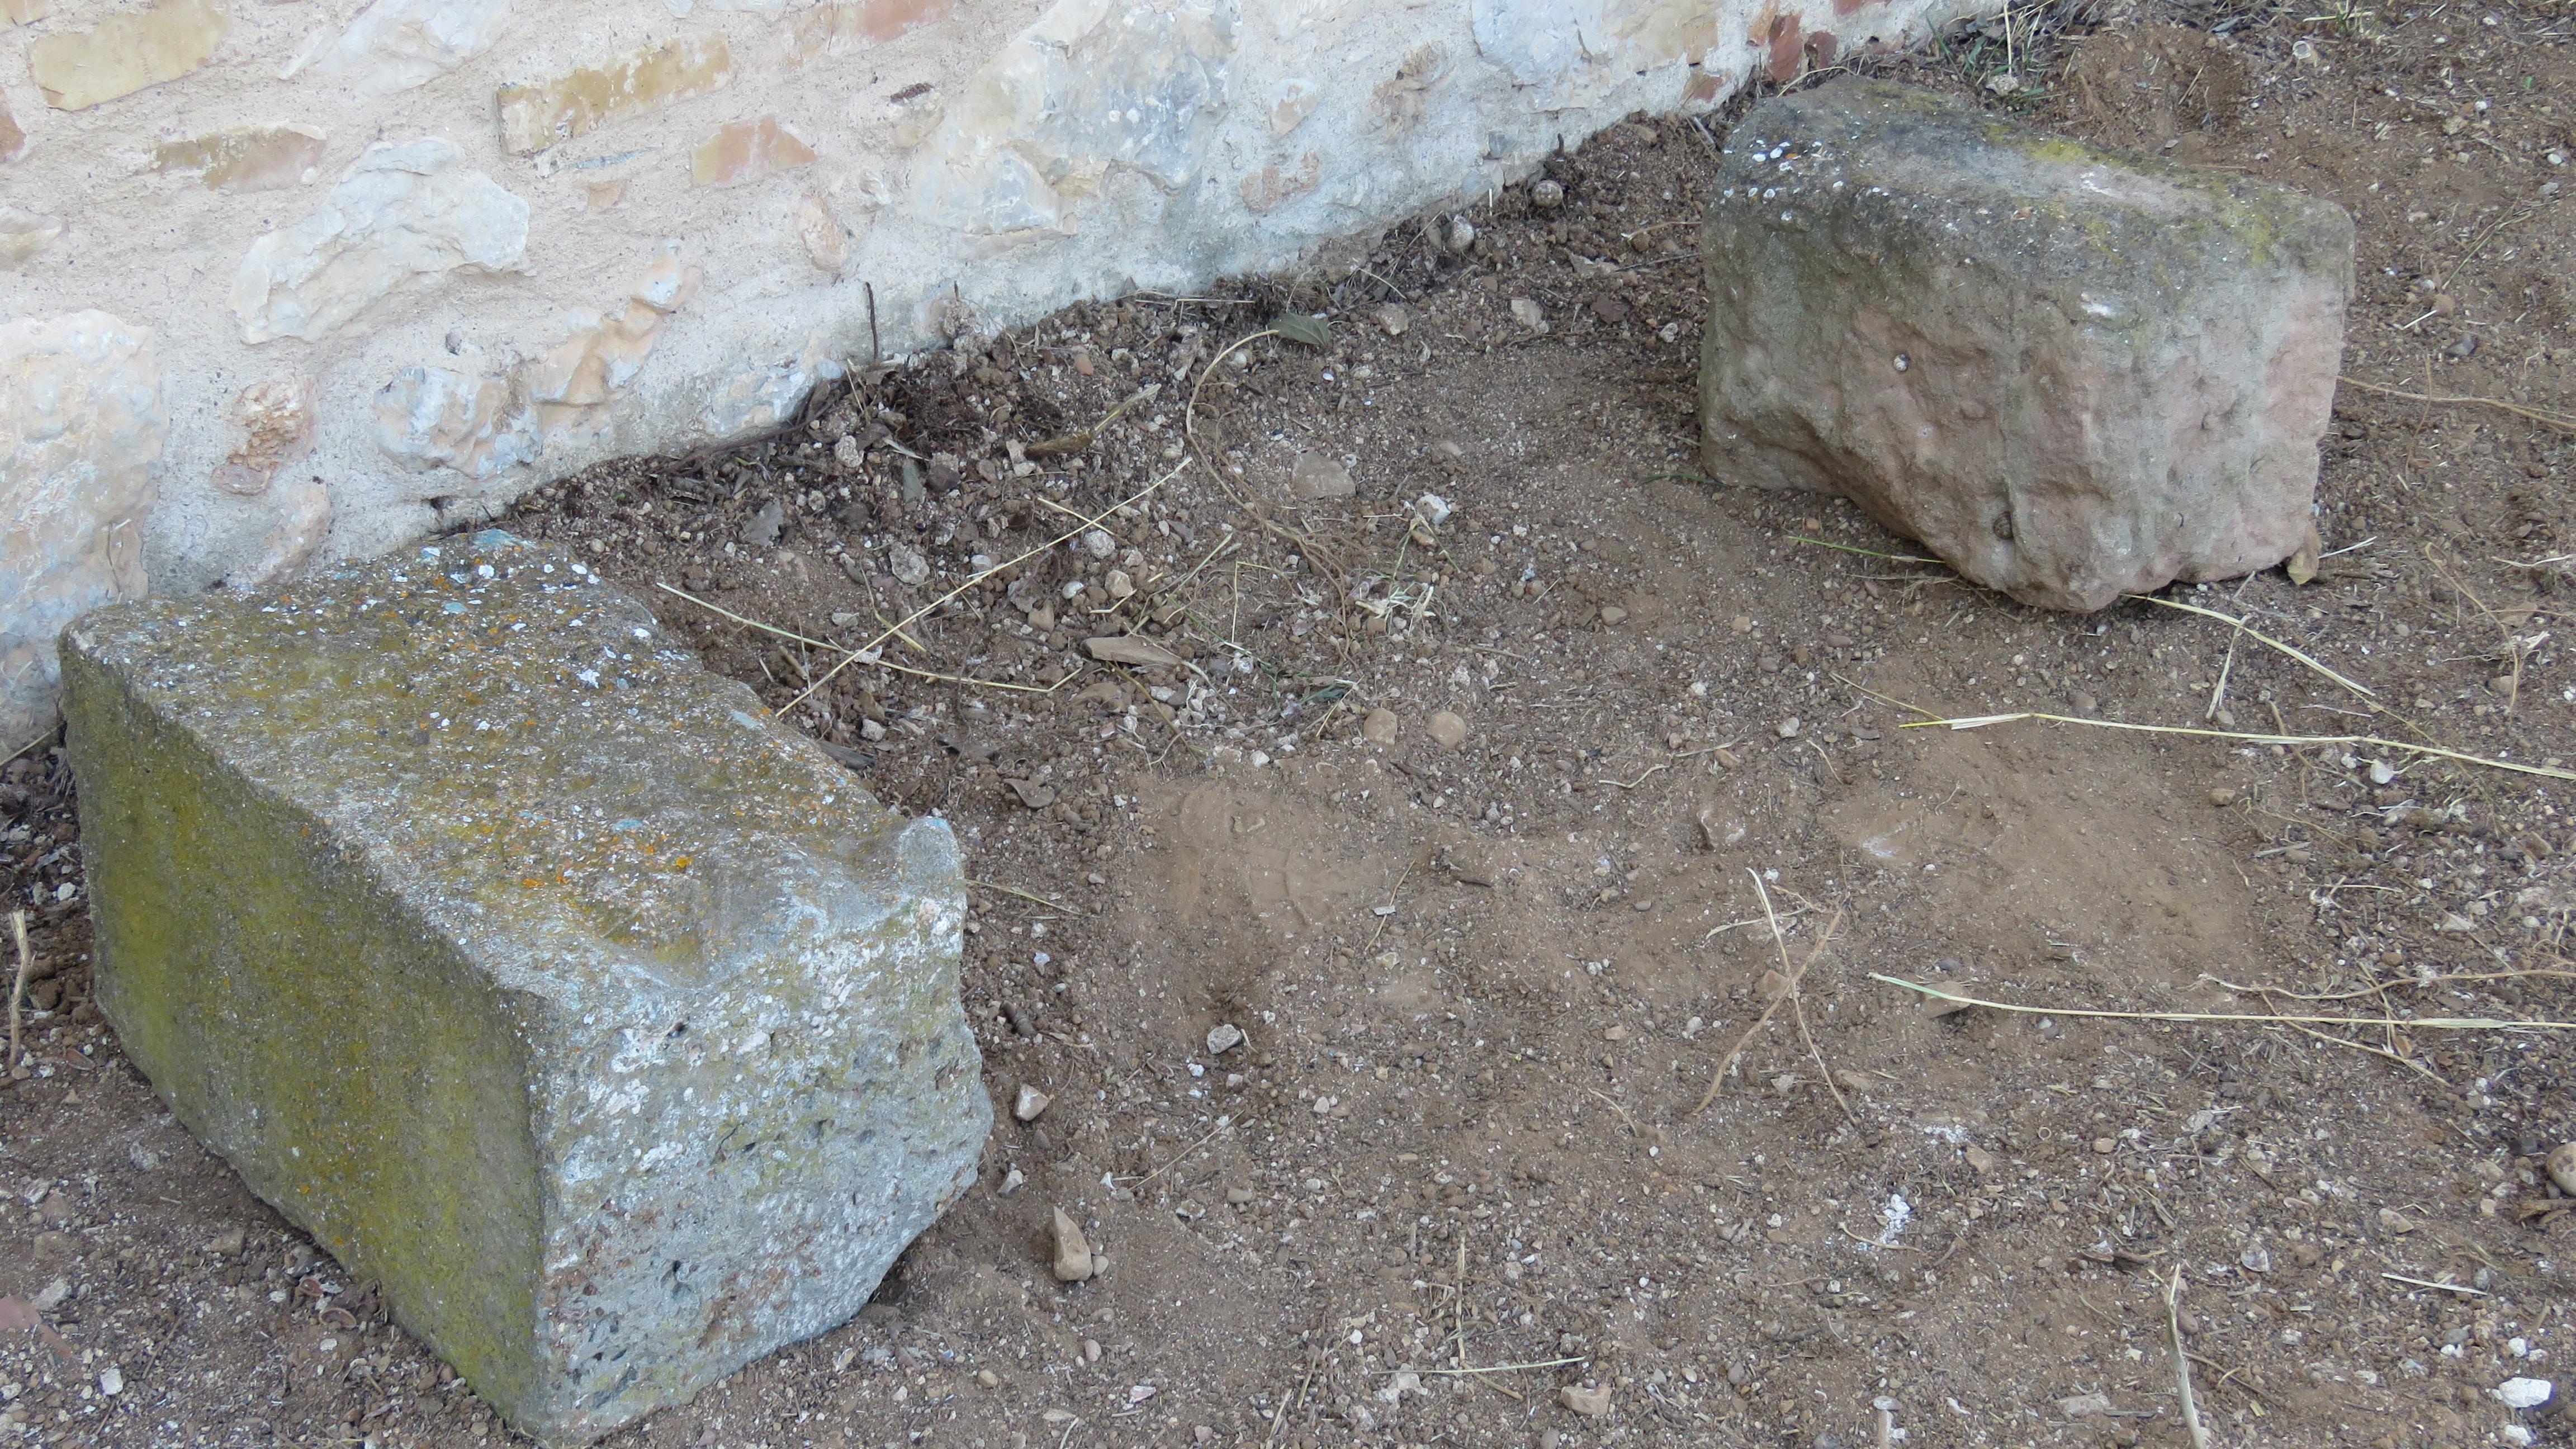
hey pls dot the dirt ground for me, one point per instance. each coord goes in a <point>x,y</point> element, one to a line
<point>1459,822</point>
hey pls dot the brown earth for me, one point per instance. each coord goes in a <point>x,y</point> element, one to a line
<point>1485,986</point>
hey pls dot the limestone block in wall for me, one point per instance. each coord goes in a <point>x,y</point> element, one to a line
<point>645,1052</point>
<point>1132,84</point>
<point>538,114</point>
<point>125,53</point>
<point>81,425</point>
<point>395,45</point>
<point>245,158</point>
<point>2074,374</point>
<point>403,218</point>
<point>25,233</point>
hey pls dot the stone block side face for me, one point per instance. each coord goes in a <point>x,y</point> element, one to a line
<point>685,1236</point>
<point>2074,394</point>
<point>304,1024</point>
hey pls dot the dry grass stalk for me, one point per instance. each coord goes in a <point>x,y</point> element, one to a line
<point>17,986</point>
<point>22,749</point>
<point>2248,631</point>
<point>2515,647</point>
<point>2373,741</point>
<point>2182,1361</point>
<point>2381,988</point>
<point>2420,1023</point>
<point>1787,992</point>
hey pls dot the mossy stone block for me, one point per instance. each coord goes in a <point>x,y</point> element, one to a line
<point>525,964</point>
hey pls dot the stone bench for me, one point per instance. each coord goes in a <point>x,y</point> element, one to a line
<point>525,964</point>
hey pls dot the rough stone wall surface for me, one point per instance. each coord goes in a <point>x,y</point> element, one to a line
<point>367,237</point>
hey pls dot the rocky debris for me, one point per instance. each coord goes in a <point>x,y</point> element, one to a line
<point>1223,1037</point>
<point>1591,1400</point>
<point>1030,1104</point>
<point>2073,374</point>
<point>1446,729</point>
<point>1073,1263</point>
<point>533,875</point>
<point>1314,475</point>
<point>1379,726</point>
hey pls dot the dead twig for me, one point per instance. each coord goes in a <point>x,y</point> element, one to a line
<point>2559,421</point>
<point>1726,1064</point>
<point>1190,430</point>
<point>861,654</point>
<point>1076,441</point>
<point>988,885</point>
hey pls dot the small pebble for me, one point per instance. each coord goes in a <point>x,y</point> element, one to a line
<point>1031,1104</point>
<point>1789,727</point>
<point>1446,729</point>
<point>1378,726</point>
<point>2223,796</point>
<point>1223,1037</point>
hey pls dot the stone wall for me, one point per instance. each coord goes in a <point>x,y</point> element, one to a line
<point>284,279</point>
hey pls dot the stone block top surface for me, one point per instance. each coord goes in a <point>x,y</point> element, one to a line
<point>547,775</point>
<point>2018,198</point>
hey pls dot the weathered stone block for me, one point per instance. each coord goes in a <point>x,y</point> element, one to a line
<point>2073,374</point>
<point>82,421</point>
<point>522,962</point>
